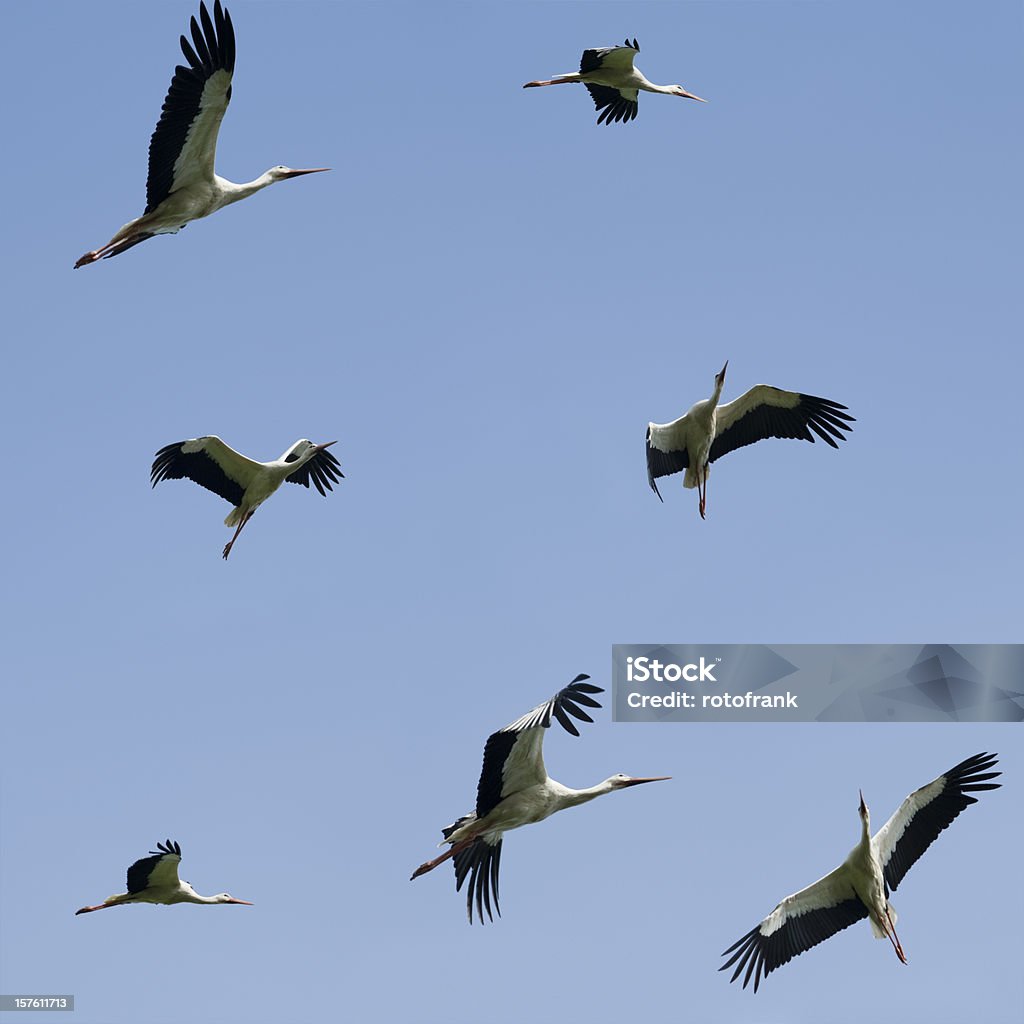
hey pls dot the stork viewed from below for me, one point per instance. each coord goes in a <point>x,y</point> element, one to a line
<point>709,431</point>
<point>182,185</point>
<point>860,886</point>
<point>514,790</point>
<point>613,82</point>
<point>154,879</point>
<point>209,462</point>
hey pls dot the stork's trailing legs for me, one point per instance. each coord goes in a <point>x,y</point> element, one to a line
<point>702,489</point>
<point>894,938</point>
<point>244,520</point>
<point>450,852</point>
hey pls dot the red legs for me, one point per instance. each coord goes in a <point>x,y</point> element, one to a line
<point>551,81</point>
<point>702,490</point>
<point>894,938</point>
<point>89,910</point>
<point>113,248</point>
<point>242,522</point>
<point>450,852</point>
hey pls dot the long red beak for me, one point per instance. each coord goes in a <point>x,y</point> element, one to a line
<point>245,903</point>
<point>310,170</point>
<point>690,96</point>
<point>656,778</point>
<point>321,447</point>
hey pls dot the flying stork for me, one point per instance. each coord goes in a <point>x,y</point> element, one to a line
<point>860,886</point>
<point>613,82</point>
<point>182,185</point>
<point>209,462</point>
<point>709,431</point>
<point>514,790</point>
<point>154,879</point>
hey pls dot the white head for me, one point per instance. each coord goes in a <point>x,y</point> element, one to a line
<point>678,90</point>
<point>281,173</point>
<point>621,781</point>
<point>303,450</point>
<point>223,897</point>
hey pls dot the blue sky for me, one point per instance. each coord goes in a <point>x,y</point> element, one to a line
<point>486,301</point>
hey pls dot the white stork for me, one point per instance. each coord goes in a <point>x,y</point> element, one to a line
<point>155,879</point>
<point>613,82</point>
<point>182,185</point>
<point>860,886</point>
<point>514,790</point>
<point>709,431</point>
<point>209,462</point>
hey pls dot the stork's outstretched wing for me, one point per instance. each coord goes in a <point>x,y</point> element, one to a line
<point>323,469</point>
<point>765,412</point>
<point>927,811</point>
<point>209,462</point>
<point>513,756</point>
<point>666,451</point>
<point>799,922</point>
<point>184,143</point>
<point>159,870</point>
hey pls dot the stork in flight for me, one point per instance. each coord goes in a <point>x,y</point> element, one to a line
<point>154,879</point>
<point>514,790</point>
<point>613,82</point>
<point>709,431</point>
<point>182,185</point>
<point>209,462</point>
<point>860,886</point>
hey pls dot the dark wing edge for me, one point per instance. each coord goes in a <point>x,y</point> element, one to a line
<point>499,744</point>
<point>762,954</point>
<point>825,418</point>
<point>969,776</point>
<point>661,463</point>
<point>214,50</point>
<point>615,106</point>
<point>593,58</point>
<point>138,873</point>
<point>324,470</point>
<point>479,862</point>
<point>171,463</point>
<point>566,700</point>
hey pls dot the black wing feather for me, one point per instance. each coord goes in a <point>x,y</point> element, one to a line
<point>171,463</point>
<point>762,954</point>
<point>138,873</point>
<point>323,469</point>
<point>479,862</point>
<point>500,743</point>
<point>615,106</point>
<point>214,51</point>
<point>970,776</point>
<point>826,418</point>
<point>661,463</point>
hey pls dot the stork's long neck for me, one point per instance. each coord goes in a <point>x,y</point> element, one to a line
<point>651,87</point>
<point>233,191</point>
<point>573,797</point>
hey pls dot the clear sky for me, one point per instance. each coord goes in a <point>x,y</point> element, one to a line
<point>485,302</point>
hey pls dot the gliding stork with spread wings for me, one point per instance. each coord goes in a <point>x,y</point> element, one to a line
<point>209,462</point>
<point>860,886</point>
<point>155,879</point>
<point>709,431</point>
<point>613,82</point>
<point>515,790</point>
<point>182,185</point>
